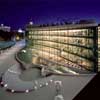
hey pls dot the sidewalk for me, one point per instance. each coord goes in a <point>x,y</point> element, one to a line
<point>7,57</point>
<point>10,77</point>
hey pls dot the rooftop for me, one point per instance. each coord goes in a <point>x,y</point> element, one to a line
<point>68,25</point>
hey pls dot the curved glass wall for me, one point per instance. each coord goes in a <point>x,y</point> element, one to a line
<point>99,48</point>
<point>69,46</point>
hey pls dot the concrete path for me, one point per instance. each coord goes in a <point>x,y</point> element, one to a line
<point>12,81</point>
<point>7,58</point>
<point>10,78</point>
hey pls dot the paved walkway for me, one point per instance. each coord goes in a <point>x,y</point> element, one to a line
<point>11,51</point>
<point>13,82</point>
<point>11,78</point>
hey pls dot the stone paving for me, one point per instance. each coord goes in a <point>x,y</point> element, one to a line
<point>12,81</point>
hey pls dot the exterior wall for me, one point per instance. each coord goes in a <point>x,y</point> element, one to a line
<point>99,48</point>
<point>5,28</point>
<point>68,46</point>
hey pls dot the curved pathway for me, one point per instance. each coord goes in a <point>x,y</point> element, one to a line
<point>10,79</point>
<point>71,85</point>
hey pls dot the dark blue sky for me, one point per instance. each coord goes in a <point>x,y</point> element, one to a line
<point>17,13</point>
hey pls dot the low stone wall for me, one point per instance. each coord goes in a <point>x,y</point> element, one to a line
<point>3,49</point>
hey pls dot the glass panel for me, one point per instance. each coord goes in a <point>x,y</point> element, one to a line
<point>65,46</point>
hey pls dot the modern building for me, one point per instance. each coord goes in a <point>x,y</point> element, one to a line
<point>5,28</point>
<point>99,47</point>
<point>70,45</point>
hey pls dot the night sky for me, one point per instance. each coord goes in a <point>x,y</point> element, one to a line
<point>17,13</point>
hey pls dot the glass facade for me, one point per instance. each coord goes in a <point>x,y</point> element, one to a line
<point>68,46</point>
<point>99,48</point>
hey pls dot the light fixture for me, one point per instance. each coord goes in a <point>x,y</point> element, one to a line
<point>5,85</point>
<point>51,80</point>
<point>31,23</point>
<point>12,90</point>
<point>35,87</point>
<point>46,84</point>
<point>40,85</point>
<point>27,91</point>
<point>1,82</point>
